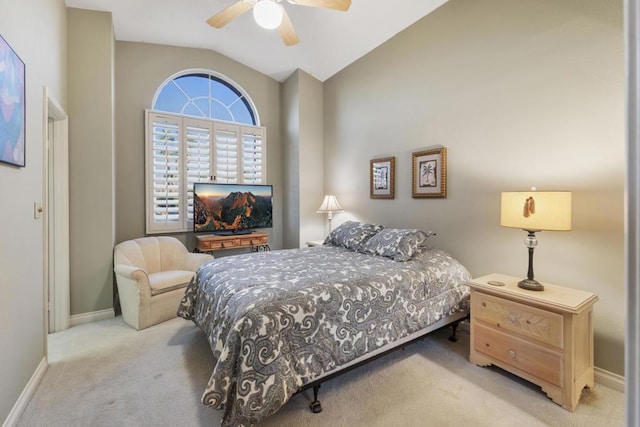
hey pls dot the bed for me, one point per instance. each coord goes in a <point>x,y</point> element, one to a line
<point>280,322</point>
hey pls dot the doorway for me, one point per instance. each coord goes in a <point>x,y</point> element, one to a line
<point>56,216</point>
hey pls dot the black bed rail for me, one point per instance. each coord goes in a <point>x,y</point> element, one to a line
<point>315,405</point>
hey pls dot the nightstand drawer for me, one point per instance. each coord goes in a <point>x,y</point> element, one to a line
<point>523,355</point>
<point>539,324</point>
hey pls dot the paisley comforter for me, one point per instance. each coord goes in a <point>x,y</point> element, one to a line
<point>277,320</point>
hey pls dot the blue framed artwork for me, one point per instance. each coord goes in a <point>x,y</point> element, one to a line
<point>12,106</point>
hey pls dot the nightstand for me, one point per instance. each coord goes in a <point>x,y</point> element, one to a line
<point>312,243</point>
<point>544,337</point>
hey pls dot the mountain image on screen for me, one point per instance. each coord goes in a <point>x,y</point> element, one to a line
<point>236,211</point>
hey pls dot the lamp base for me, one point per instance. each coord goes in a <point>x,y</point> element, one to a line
<point>531,285</point>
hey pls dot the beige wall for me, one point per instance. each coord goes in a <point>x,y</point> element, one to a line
<point>140,70</point>
<point>312,224</point>
<point>91,160</point>
<point>36,30</point>
<point>521,93</point>
<point>291,156</point>
<point>303,118</point>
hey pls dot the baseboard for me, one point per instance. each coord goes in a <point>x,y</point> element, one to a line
<point>27,393</point>
<point>93,316</point>
<point>609,379</point>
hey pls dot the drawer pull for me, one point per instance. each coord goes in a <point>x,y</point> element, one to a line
<point>484,304</point>
<point>512,354</point>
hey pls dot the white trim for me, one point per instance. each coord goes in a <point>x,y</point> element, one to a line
<point>60,182</point>
<point>44,208</point>
<point>632,225</point>
<point>62,300</point>
<point>609,379</point>
<point>20,405</point>
<point>92,316</point>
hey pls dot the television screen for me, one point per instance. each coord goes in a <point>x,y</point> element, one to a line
<point>231,208</point>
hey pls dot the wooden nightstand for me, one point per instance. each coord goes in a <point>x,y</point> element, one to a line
<point>312,243</point>
<point>544,337</point>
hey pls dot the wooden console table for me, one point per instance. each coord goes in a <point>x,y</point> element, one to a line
<point>257,242</point>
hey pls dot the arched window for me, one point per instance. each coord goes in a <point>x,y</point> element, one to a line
<point>202,128</point>
<point>207,95</point>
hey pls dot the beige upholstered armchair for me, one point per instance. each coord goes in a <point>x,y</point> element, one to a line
<point>152,273</point>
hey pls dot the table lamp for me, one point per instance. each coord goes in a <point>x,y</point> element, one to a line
<point>535,211</point>
<point>329,206</point>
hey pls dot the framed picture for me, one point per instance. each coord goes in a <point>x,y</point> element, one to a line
<point>12,106</point>
<point>429,170</point>
<point>382,178</point>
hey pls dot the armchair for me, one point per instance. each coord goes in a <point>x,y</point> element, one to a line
<point>151,274</point>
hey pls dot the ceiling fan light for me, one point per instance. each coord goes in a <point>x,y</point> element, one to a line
<point>267,14</point>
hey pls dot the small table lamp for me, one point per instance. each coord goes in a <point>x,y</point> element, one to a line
<point>535,211</point>
<point>329,206</point>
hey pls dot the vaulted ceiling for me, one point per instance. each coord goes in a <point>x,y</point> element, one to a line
<point>329,40</point>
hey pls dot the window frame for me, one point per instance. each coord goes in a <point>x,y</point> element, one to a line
<point>185,222</point>
<point>183,121</point>
<point>235,87</point>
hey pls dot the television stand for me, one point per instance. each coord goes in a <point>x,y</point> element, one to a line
<point>256,242</point>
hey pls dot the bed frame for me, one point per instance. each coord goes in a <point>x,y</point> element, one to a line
<point>451,320</point>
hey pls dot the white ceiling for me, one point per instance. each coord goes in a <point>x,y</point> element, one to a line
<point>329,40</point>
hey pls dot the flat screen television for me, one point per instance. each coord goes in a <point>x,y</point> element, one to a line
<point>231,208</point>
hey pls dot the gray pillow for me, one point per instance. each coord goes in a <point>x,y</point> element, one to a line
<point>397,244</point>
<point>352,235</point>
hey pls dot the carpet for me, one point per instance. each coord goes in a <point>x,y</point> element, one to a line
<point>107,374</point>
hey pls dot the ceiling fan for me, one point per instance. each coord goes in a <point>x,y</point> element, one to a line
<point>270,14</point>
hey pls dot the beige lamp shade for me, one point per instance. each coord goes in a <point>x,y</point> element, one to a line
<point>536,210</point>
<point>330,204</point>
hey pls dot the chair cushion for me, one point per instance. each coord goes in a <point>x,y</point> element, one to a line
<point>167,281</point>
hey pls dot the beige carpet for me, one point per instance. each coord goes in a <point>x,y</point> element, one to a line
<point>107,374</point>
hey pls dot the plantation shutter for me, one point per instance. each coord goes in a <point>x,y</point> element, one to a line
<point>181,151</point>
<point>164,158</point>
<point>253,154</point>
<point>227,145</point>
<point>197,156</point>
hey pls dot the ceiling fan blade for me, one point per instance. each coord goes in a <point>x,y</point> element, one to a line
<point>229,14</point>
<point>286,30</point>
<point>342,5</point>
